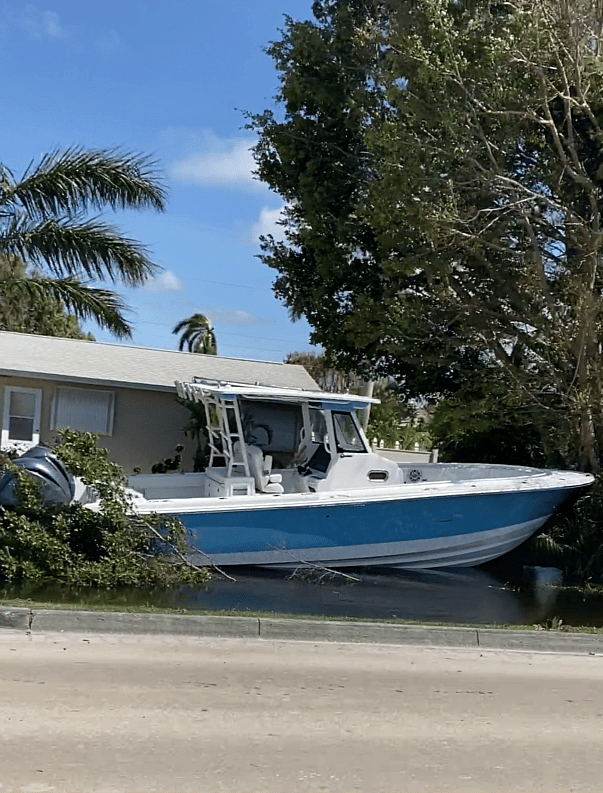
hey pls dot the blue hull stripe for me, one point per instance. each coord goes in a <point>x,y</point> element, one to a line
<point>464,550</point>
<point>368,523</point>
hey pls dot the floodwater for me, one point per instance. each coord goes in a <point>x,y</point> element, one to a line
<point>526,595</point>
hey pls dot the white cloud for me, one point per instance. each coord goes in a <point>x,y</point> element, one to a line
<point>267,223</point>
<point>212,160</point>
<point>109,42</point>
<point>166,281</point>
<point>38,25</point>
<point>233,317</point>
<point>35,23</point>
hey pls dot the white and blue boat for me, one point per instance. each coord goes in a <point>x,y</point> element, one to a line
<point>292,481</point>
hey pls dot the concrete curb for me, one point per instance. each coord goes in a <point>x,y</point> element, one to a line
<point>17,619</point>
<point>44,621</point>
<point>366,633</point>
<point>51,621</point>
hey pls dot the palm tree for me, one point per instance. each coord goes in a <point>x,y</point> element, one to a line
<point>197,335</point>
<point>23,313</point>
<point>44,223</point>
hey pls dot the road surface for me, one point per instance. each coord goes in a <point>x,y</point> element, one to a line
<point>135,713</point>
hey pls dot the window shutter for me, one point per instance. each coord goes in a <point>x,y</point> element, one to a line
<point>83,409</point>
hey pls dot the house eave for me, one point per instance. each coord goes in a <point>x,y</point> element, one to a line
<point>92,381</point>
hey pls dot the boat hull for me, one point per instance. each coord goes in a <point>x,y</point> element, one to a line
<point>433,528</point>
<point>464,550</point>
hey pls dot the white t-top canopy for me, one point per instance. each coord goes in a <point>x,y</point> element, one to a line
<point>196,391</point>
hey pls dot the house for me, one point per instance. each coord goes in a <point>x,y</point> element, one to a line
<point>124,394</point>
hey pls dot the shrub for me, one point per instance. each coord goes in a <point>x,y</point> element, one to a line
<point>78,546</point>
<point>573,541</point>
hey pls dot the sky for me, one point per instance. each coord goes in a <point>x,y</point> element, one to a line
<point>168,79</point>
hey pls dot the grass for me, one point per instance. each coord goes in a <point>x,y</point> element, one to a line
<point>84,605</point>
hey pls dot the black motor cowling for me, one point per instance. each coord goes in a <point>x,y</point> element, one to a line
<point>57,485</point>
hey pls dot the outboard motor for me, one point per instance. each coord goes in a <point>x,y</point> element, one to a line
<point>57,485</point>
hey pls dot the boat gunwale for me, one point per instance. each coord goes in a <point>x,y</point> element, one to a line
<point>541,480</point>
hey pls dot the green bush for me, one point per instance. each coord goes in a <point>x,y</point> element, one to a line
<point>74,545</point>
<point>573,541</point>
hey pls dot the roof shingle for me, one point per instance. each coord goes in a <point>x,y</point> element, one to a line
<point>51,358</point>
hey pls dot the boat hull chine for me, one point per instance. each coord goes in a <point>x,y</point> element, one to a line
<point>465,550</point>
<point>416,533</point>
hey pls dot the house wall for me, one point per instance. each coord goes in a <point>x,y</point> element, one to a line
<point>147,425</point>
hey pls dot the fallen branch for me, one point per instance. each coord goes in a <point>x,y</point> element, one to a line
<point>181,556</point>
<point>316,567</point>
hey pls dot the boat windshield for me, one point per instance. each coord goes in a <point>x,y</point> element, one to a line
<point>346,433</point>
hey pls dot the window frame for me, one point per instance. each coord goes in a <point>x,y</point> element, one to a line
<point>110,395</point>
<point>5,439</point>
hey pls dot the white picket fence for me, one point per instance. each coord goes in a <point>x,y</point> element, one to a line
<point>404,455</point>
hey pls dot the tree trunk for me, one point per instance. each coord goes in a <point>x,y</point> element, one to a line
<point>587,450</point>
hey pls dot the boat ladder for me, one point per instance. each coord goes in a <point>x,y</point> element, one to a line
<point>225,428</point>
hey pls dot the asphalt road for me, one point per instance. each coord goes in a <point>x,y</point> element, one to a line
<point>138,713</point>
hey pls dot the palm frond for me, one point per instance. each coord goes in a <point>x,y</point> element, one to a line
<point>180,326</point>
<point>76,247</point>
<point>106,308</point>
<point>210,344</point>
<point>43,222</point>
<point>197,335</point>
<point>6,180</point>
<point>69,181</point>
<point>544,543</point>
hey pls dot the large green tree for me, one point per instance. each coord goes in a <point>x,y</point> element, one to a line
<point>45,223</point>
<point>442,160</point>
<point>312,151</point>
<point>499,137</point>
<point>337,266</point>
<point>327,377</point>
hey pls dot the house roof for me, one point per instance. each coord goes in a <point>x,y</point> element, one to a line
<point>72,360</point>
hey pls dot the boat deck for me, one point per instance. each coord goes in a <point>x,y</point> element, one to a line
<point>417,480</point>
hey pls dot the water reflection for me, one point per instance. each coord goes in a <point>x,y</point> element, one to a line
<point>478,596</point>
<point>451,596</point>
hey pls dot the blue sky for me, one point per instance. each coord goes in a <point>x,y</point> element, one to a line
<point>169,79</point>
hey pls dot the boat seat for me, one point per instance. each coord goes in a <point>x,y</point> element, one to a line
<point>260,469</point>
<point>318,464</point>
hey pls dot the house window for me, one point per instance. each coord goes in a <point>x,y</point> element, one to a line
<point>83,409</point>
<point>21,416</point>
